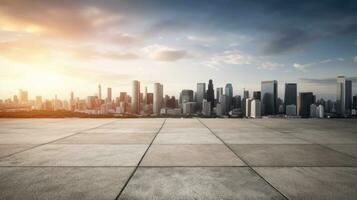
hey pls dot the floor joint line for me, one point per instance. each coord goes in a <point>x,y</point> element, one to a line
<point>243,160</point>
<point>141,159</point>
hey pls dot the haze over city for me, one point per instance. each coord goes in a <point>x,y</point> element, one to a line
<point>55,47</point>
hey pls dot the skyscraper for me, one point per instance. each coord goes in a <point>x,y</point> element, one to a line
<point>186,96</point>
<point>135,102</point>
<point>245,94</point>
<point>304,102</point>
<point>290,94</point>
<point>200,94</point>
<point>210,93</point>
<point>109,95</point>
<point>158,96</point>
<point>269,96</point>
<point>255,108</point>
<point>354,102</point>
<point>145,101</point>
<point>206,108</point>
<point>219,93</point>
<point>257,95</point>
<point>100,92</point>
<point>23,96</point>
<point>344,96</point>
<point>228,91</point>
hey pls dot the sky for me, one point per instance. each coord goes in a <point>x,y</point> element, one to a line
<point>55,47</point>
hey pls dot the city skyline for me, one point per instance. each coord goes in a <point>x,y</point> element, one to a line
<point>74,46</point>
<point>201,102</point>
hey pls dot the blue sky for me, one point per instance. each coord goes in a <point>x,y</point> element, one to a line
<point>54,47</point>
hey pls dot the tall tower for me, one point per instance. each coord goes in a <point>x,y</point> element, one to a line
<point>109,95</point>
<point>269,95</point>
<point>146,96</point>
<point>219,93</point>
<point>228,91</point>
<point>290,96</point>
<point>343,96</point>
<point>210,93</point>
<point>158,93</point>
<point>200,94</point>
<point>135,99</point>
<point>100,92</point>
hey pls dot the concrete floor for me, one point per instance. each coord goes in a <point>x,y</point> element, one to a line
<point>178,159</point>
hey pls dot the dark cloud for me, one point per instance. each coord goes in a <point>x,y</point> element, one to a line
<point>285,40</point>
<point>280,25</point>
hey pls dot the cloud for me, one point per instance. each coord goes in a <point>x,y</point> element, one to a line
<point>86,54</point>
<point>164,53</point>
<point>125,39</point>
<point>53,18</point>
<point>303,67</point>
<point>166,26</point>
<point>231,57</point>
<point>286,40</point>
<point>355,59</point>
<point>270,66</point>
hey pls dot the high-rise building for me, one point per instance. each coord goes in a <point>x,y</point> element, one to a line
<point>344,96</point>
<point>354,102</point>
<point>23,96</point>
<point>123,97</point>
<point>219,93</point>
<point>135,102</point>
<point>188,107</point>
<point>16,100</point>
<point>145,100</point>
<point>290,96</point>
<point>210,93</point>
<point>255,108</point>
<point>100,92</point>
<point>200,94</point>
<point>248,107</point>
<point>186,96</point>
<point>245,94</point>
<point>313,110</point>
<point>109,95</point>
<point>206,108</point>
<point>237,101</point>
<point>269,96</point>
<point>256,95</point>
<point>305,99</point>
<point>158,98</point>
<point>150,98</point>
<point>228,91</point>
<point>320,111</point>
<point>291,110</point>
<point>223,105</point>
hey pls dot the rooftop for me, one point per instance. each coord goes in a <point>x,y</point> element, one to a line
<point>178,158</point>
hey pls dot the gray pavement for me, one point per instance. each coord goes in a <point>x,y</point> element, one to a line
<point>178,159</point>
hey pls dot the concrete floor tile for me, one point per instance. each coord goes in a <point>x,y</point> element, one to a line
<point>187,138</point>
<point>190,155</point>
<point>62,182</point>
<point>350,149</point>
<point>327,137</point>
<point>78,155</point>
<point>109,138</point>
<point>198,183</point>
<point>260,138</point>
<point>166,130</point>
<point>291,155</point>
<point>7,149</point>
<point>313,182</point>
